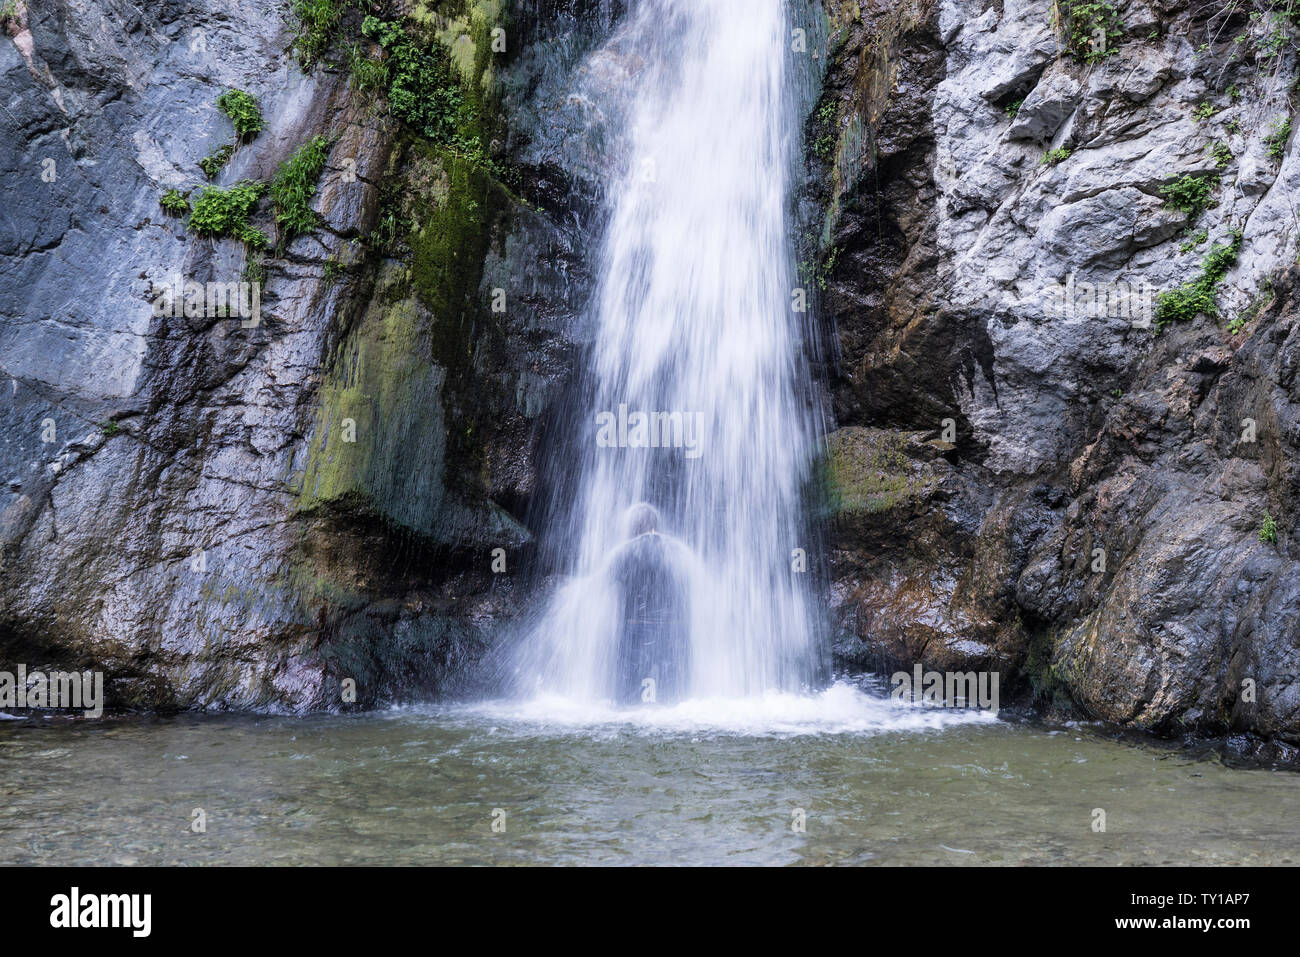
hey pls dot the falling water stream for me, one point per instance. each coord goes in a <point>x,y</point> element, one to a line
<point>699,399</point>
<point>698,402</point>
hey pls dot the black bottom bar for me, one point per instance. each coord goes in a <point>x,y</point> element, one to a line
<point>343,907</point>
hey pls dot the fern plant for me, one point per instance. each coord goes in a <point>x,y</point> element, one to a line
<point>243,111</point>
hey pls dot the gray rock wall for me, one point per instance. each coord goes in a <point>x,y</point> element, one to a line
<point>181,506</point>
<point>1090,525</point>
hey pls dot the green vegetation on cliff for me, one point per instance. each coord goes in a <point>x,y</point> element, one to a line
<point>294,186</point>
<point>1092,29</point>
<point>410,359</point>
<point>368,75</point>
<point>438,96</point>
<point>224,212</point>
<point>245,115</point>
<point>1196,297</point>
<point>316,22</point>
<point>1189,194</point>
<point>214,162</point>
<point>421,89</point>
<point>175,202</point>
<point>403,396</point>
<point>1278,134</point>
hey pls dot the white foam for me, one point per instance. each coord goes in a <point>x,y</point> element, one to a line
<point>840,709</point>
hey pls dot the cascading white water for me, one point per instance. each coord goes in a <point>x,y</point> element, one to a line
<point>697,326</point>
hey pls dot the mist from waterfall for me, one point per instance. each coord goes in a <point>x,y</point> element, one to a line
<point>700,350</point>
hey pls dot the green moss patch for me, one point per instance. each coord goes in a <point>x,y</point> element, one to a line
<point>867,471</point>
<point>378,442</point>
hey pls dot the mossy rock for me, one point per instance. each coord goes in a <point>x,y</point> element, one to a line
<point>402,382</point>
<point>379,434</point>
<point>868,471</point>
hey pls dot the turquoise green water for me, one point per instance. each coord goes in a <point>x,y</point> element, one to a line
<point>423,786</point>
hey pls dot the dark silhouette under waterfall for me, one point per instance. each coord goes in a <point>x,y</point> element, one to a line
<point>652,627</point>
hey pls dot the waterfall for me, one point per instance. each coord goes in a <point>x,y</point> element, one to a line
<point>697,394</point>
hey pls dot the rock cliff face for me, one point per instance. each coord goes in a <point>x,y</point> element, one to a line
<point>1057,247</point>
<point>1039,465</point>
<point>224,513</point>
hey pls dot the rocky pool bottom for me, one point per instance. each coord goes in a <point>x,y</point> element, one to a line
<point>544,782</point>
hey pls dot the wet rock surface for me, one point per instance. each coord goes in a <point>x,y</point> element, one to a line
<point>227,514</point>
<point>1108,517</point>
